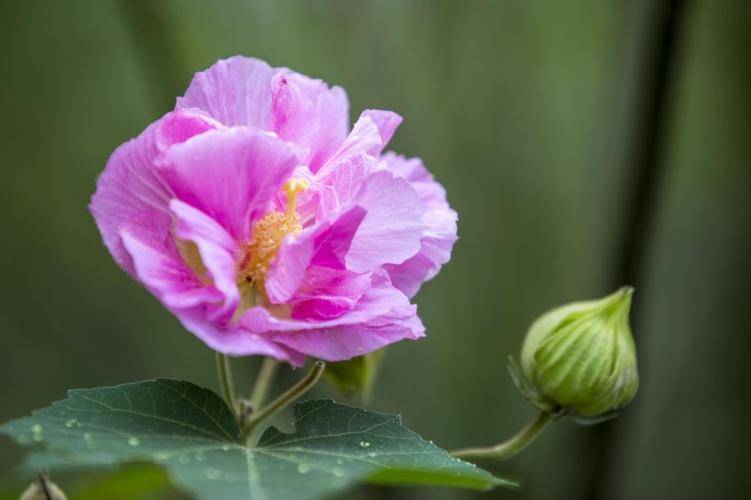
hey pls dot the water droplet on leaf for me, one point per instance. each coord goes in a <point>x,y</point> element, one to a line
<point>303,468</point>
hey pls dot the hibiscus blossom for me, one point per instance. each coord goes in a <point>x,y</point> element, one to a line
<point>267,226</point>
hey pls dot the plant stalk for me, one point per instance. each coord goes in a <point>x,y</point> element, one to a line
<point>263,382</point>
<point>225,381</point>
<point>289,396</point>
<point>511,447</point>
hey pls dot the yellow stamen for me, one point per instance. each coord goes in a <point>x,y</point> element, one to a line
<point>267,236</point>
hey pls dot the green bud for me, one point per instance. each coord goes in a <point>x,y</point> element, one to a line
<point>581,358</point>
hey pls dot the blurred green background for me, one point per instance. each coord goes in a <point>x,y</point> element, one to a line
<point>536,116</point>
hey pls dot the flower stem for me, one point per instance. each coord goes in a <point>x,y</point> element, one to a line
<point>511,447</point>
<point>292,394</point>
<point>225,381</point>
<point>263,382</point>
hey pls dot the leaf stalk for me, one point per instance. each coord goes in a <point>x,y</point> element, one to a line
<point>289,396</point>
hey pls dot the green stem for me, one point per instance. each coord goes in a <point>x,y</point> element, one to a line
<point>511,447</point>
<point>225,381</point>
<point>263,382</point>
<point>292,394</point>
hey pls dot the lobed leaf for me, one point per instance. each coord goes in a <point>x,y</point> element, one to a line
<point>192,433</point>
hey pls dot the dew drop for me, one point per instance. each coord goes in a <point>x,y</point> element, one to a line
<point>226,447</point>
<point>88,437</point>
<point>200,456</point>
<point>303,468</point>
<point>364,444</point>
<point>133,441</point>
<point>161,456</point>
<point>183,459</point>
<point>338,473</point>
<point>71,423</point>
<point>339,461</point>
<point>371,454</point>
<point>213,474</point>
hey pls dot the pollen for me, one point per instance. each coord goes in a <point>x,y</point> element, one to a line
<point>266,238</point>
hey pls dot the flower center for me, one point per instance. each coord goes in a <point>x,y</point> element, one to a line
<point>267,236</point>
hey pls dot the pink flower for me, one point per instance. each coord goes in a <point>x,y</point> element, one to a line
<point>266,226</point>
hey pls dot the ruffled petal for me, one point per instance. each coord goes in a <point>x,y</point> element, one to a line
<point>387,123</point>
<point>230,175</point>
<point>157,263</point>
<point>242,91</point>
<point>131,184</point>
<point>308,113</point>
<point>234,91</point>
<point>380,299</point>
<point>382,316</point>
<point>365,139</point>
<point>324,244</point>
<point>393,226</point>
<point>328,293</point>
<point>349,341</point>
<point>233,340</point>
<point>440,226</point>
<point>216,249</point>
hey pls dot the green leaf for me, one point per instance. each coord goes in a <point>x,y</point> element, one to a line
<point>192,433</point>
<point>356,374</point>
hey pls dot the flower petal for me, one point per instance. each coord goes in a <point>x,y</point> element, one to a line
<point>216,248</point>
<point>392,228</point>
<point>364,139</point>
<point>387,123</point>
<point>379,300</point>
<point>324,244</point>
<point>157,263</point>
<point>382,316</point>
<point>233,340</point>
<point>349,341</point>
<point>328,293</point>
<point>440,226</point>
<point>234,91</point>
<point>131,184</point>
<point>310,114</point>
<point>230,175</point>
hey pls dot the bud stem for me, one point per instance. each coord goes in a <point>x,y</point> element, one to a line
<point>511,447</point>
<point>225,381</point>
<point>290,395</point>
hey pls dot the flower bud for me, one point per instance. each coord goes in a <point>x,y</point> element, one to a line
<point>581,358</point>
